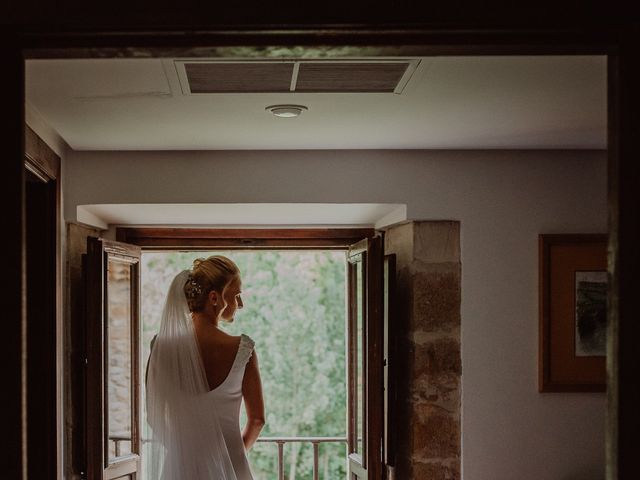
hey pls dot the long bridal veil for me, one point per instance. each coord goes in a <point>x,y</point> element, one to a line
<point>185,440</point>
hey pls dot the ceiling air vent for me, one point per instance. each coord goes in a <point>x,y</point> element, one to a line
<point>349,77</point>
<point>238,77</point>
<point>304,76</point>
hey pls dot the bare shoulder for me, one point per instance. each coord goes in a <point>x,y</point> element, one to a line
<point>221,343</point>
<point>224,337</point>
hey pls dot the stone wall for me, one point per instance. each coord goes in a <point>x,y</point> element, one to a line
<point>429,364</point>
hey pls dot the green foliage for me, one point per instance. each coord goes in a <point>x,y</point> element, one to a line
<point>295,310</point>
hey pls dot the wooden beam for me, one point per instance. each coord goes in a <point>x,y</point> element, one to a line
<point>623,360</point>
<point>265,238</point>
<point>332,43</point>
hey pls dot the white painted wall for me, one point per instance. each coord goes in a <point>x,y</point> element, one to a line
<point>503,199</point>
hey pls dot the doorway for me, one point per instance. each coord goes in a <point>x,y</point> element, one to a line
<point>304,308</point>
<point>295,310</point>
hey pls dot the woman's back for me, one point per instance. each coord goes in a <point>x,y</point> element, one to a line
<point>224,359</point>
<point>218,351</point>
<point>226,378</point>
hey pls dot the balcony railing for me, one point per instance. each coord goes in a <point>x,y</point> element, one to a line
<point>279,441</point>
<point>314,441</point>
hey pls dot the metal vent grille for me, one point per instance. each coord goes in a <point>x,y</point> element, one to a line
<point>238,77</point>
<point>349,77</point>
<point>304,76</point>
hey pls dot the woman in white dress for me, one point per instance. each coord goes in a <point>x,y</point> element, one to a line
<point>197,376</point>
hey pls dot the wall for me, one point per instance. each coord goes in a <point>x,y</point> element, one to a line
<point>503,200</point>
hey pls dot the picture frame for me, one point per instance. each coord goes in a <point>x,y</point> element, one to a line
<point>573,294</point>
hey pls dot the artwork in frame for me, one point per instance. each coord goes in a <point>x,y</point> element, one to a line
<point>573,312</point>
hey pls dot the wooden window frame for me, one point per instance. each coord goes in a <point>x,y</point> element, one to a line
<point>353,241</point>
<point>95,271</point>
<point>367,255</point>
<point>354,429</point>
<point>390,349</point>
<point>239,238</point>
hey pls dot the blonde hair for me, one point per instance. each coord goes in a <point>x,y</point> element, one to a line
<point>207,274</point>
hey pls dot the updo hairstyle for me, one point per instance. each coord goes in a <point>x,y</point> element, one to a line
<point>207,274</point>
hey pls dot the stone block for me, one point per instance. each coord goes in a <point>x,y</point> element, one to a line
<point>437,358</point>
<point>444,394</point>
<point>435,471</point>
<point>436,299</point>
<point>435,373</point>
<point>435,435</point>
<point>436,242</point>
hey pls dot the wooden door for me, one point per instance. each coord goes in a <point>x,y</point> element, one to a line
<point>365,360</point>
<point>112,283</point>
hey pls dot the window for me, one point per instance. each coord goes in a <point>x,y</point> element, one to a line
<point>118,305</point>
<point>112,285</point>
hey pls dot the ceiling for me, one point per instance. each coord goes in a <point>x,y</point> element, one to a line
<point>501,102</point>
<point>233,214</point>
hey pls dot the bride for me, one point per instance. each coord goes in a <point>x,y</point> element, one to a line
<point>197,376</point>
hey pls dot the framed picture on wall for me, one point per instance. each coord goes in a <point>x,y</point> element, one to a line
<point>573,313</point>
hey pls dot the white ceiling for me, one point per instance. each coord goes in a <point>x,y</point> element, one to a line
<point>520,102</point>
<point>234,214</point>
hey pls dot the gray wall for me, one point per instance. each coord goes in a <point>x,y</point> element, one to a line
<point>503,200</point>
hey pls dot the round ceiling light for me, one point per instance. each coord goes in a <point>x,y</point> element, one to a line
<point>286,111</point>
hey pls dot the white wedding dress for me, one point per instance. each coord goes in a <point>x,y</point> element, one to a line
<point>194,432</point>
<point>226,398</point>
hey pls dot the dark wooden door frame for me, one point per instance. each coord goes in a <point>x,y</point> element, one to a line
<point>623,361</point>
<point>619,41</point>
<point>44,307</point>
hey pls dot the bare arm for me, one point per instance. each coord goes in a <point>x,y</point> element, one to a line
<point>253,402</point>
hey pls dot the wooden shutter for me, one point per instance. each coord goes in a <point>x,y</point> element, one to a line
<point>390,374</point>
<point>112,283</point>
<point>365,360</point>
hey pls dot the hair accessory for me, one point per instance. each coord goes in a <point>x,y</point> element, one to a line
<point>195,290</point>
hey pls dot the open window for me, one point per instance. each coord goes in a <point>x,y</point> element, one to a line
<point>112,282</point>
<point>111,279</point>
<point>366,360</point>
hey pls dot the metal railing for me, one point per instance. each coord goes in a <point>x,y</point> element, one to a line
<point>117,439</point>
<point>279,441</point>
<point>314,441</point>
